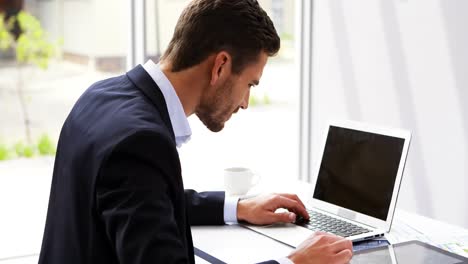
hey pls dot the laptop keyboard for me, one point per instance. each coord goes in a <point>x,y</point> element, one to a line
<point>323,222</point>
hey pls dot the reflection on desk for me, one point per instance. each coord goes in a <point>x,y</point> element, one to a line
<point>409,226</point>
<point>412,252</point>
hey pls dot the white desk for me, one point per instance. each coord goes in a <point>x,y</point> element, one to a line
<point>236,244</point>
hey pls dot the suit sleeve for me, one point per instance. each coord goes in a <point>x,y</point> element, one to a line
<point>134,201</point>
<point>205,208</point>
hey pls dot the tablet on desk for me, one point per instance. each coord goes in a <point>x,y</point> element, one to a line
<point>411,252</point>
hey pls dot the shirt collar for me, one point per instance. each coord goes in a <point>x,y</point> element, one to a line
<point>176,112</point>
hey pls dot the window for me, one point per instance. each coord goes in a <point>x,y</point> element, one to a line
<point>264,137</point>
<point>89,45</point>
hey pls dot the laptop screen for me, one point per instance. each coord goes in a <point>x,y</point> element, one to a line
<point>358,170</point>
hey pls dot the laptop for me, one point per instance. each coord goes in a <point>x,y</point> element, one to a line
<point>356,185</point>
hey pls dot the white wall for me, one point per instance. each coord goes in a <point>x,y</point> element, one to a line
<point>169,12</point>
<point>111,26</point>
<point>47,22</point>
<point>78,27</point>
<point>99,28</point>
<point>90,28</point>
<point>151,32</point>
<point>402,64</point>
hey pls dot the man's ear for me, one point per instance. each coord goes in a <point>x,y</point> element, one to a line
<point>221,67</point>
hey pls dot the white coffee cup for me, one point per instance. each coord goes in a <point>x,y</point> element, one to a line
<point>238,180</point>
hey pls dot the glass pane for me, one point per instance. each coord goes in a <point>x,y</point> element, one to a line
<point>265,136</point>
<point>89,40</point>
<point>89,44</point>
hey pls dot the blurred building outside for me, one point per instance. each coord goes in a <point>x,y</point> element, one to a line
<point>95,37</point>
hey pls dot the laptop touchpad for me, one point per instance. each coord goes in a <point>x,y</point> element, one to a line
<point>289,234</point>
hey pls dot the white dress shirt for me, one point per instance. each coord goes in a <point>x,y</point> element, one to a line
<point>181,125</point>
<point>183,132</point>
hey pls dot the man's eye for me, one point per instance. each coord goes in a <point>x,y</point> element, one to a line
<point>251,85</point>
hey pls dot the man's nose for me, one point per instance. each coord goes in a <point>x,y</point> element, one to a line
<point>245,102</point>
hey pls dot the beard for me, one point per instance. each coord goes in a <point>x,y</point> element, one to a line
<point>215,110</point>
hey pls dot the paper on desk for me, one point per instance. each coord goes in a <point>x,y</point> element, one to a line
<point>236,244</point>
<point>458,245</point>
<point>448,237</point>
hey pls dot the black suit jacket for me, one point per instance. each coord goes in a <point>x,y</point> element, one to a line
<point>117,194</point>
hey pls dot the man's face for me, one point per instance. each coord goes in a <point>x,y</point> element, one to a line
<point>227,96</point>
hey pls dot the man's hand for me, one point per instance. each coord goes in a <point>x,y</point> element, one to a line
<point>323,248</point>
<point>261,210</point>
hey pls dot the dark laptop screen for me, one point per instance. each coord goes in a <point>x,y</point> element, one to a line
<point>358,170</point>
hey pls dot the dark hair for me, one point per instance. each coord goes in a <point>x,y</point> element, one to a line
<point>240,27</point>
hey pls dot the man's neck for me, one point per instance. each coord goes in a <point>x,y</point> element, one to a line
<point>188,85</point>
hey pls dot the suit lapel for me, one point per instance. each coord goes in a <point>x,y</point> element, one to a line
<point>146,84</point>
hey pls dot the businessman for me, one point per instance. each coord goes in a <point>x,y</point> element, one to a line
<point>117,194</point>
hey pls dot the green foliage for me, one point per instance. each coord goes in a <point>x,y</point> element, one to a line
<point>19,148</point>
<point>45,146</point>
<point>4,152</point>
<point>286,36</point>
<point>29,151</point>
<point>32,45</point>
<point>6,38</point>
<point>253,101</point>
<point>24,150</point>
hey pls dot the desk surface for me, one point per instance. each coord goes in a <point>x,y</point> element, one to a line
<point>236,244</point>
<point>408,226</point>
